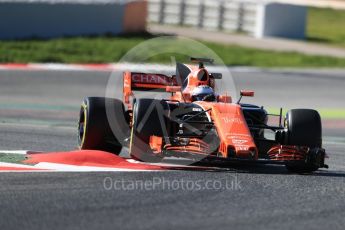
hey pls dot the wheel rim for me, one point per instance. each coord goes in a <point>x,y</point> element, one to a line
<point>132,131</point>
<point>82,125</point>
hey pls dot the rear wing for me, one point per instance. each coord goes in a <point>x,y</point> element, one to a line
<point>133,81</point>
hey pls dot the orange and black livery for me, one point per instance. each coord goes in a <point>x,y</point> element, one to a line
<point>195,122</point>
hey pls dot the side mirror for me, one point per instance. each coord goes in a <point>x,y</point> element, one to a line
<point>247,93</point>
<point>173,89</point>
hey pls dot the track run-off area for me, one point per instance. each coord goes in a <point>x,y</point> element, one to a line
<point>39,110</point>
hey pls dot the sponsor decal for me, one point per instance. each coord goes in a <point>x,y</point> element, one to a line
<point>151,79</point>
<point>235,120</point>
<point>242,147</point>
<point>239,142</point>
<point>237,136</point>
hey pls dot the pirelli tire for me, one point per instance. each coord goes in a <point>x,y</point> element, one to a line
<point>304,129</point>
<point>94,130</point>
<point>148,120</point>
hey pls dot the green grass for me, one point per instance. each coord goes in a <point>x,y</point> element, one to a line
<point>328,113</point>
<point>67,50</point>
<point>12,158</point>
<point>234,55</point>
<point>326,26</point>
<point>111,49</point>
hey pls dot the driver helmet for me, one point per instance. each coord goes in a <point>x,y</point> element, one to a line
<point>203,93</point>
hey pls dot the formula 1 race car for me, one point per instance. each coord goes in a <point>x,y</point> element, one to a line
<point>197,123</point>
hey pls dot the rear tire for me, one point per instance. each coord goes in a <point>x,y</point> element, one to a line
<point>95,132</point>
<point>148,120</point>
<point>304,129</point>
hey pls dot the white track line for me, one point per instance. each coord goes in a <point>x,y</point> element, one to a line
<point>41,167</point>
<point>19,152</point>
<point>4,164</point>
<point>74,168</point>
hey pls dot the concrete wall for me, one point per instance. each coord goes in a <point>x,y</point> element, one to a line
<point>235,15</point>
<point>255,17</point>
<point>47,19</point>
<point>281,20</point>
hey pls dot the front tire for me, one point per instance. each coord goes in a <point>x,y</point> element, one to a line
<point>95,132</point>
<point>304,129</point>
<point>148,120</point>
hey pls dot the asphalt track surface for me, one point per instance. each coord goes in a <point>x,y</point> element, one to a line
<point>38,111</point>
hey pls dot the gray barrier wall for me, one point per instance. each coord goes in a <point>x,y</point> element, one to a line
<point>281,20</point>
<point>47,18</point>
<point>257,18</point>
